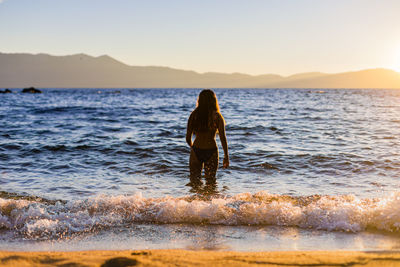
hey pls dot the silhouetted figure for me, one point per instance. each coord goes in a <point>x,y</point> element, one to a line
<point>204,122</point>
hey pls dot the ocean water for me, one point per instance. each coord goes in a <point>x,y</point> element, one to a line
<point>108,168</point>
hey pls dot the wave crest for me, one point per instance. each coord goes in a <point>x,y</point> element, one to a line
<point>38,219</point>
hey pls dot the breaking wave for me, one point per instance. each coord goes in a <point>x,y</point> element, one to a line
<point>36,218</point>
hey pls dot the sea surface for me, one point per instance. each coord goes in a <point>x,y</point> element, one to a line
<point>108,169</point>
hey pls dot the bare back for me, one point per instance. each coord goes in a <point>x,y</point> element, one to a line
<point>206,139</point>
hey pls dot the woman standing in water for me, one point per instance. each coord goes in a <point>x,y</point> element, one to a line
<point>204,122</point>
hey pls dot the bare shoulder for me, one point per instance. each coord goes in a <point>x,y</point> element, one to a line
<point>219,118</point>
<point>192,115</point>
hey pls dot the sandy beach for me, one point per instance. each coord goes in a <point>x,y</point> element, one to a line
<point>199,258</point>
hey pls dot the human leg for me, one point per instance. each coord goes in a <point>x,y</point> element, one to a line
<point>195,168</point>
<point>211,167</point>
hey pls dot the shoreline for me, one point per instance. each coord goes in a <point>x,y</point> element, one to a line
<point>199,258</point>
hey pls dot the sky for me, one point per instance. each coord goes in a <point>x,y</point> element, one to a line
<point>247,36</point>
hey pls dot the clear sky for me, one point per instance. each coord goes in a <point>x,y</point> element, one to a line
<point>248,36</point>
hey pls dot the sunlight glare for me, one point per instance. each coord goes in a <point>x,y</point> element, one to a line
<point>396,61</point>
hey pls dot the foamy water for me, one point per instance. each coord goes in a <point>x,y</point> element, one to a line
<point>38,219</point>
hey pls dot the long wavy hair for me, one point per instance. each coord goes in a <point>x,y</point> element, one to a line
<point>207,103</point>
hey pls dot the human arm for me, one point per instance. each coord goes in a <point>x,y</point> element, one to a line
<point>189,130</point>
<point>222,137</point>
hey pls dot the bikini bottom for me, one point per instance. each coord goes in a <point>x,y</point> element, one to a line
<point>203,155</point>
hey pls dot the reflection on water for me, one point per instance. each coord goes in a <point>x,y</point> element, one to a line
<point>207,190</point>
<point>239,238</point>
<point>206,240</point>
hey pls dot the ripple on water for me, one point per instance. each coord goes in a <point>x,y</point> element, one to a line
<point>292,140</point>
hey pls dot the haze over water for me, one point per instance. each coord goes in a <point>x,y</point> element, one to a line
<point>310,159</point>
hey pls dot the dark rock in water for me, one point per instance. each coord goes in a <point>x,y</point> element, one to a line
<point>7,91</point>
<point>31,90</point>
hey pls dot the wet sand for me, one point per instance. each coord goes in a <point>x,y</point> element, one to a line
<point>199,258</point>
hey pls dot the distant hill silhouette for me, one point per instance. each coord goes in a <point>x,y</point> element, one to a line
<point>80,70</point>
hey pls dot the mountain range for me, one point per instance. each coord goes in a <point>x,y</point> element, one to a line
<point>84,71</point>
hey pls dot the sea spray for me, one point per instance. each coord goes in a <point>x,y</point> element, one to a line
<point>35,219</point>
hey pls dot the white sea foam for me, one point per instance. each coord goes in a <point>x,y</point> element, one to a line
<point>332,213</point>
